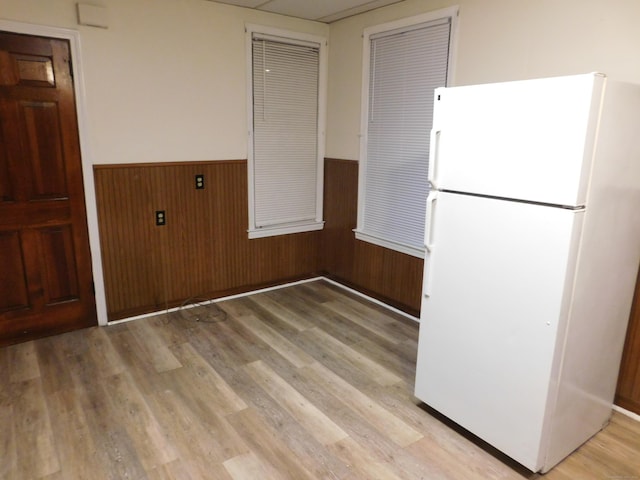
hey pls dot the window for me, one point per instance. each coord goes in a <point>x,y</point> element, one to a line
<point>286,126</point>
<point>404,62</point>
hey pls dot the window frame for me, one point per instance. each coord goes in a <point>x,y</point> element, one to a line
<point>397,25</point>
<point>286,36</point>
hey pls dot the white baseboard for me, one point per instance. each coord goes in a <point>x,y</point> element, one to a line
<point>372,300</point>
<point>276,287</point>
<point>627,413</point>
<point>215,300</point>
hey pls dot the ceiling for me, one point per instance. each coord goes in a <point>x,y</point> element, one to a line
<point>326,11</point>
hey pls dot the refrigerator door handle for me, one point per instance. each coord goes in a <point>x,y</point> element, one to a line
<point>434,144</point>
<point>428,240</point>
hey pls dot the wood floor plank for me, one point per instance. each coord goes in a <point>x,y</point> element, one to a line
<point>75,445</point>
<point>401,322</point>
<point>307,414</point>
<point>349,356</point>
<point>153,348</point>
<point>264,305</point>
<point>398,358</point>
<point>35,440</point>
<point>309,453</point>
<point>280,344</point>
<point>450,466</point>
<point>362,461</point>
<point>382,419</point>
<point>8,443</point>
<point>114,447</point>
<point>202,378</point>
<point>180,469</point>
<point>130,408</point>
<point>368,318</point>
<point>132,356</point>
<point>102,354</point>
<point>266,444</point>
<point>248,465</point>
<point>22,362</point>
<point>305,382</point>
<point>201,449</point>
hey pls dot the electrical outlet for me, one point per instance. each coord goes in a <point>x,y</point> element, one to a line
<point>161,218</point>
<point>199,181</point>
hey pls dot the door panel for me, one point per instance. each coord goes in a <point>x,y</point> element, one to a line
<point>58,264</point>
<point>44,248</point>
<point>34,70</point>
<point>12,281</point>
<point>40,124</point>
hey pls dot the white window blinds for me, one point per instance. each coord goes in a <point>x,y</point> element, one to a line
<point>405,66</point>
<point>285,90</point>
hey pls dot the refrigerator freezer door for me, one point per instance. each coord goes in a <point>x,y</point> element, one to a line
<point>484,143</point>
<point>495,316</point>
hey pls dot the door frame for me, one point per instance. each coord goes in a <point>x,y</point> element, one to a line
<point>73,36</point>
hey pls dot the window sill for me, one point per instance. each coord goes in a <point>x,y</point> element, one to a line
<point>413,251</point>
<point>272,231</point>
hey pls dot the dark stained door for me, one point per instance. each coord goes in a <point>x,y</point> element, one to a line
<point>45,266</point>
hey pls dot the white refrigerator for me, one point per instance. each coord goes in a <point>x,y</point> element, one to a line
<point>533,244</point>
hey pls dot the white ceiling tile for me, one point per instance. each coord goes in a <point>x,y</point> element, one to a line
<point>308,9</point>
<point>360,8</point>
<point>242,3</point>
<point>321,10</point>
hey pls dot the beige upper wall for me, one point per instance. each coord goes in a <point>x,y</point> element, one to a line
<point>167,80</point>
<point>497,40</point>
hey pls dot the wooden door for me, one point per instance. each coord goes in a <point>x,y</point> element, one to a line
<point>45,266</point>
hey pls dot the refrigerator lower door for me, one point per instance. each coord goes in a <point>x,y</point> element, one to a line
<point>492,325</point>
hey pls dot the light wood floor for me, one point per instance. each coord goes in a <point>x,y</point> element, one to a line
<point>301,383</point>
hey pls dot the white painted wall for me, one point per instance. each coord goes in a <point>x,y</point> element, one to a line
<point>167,80</point>
<point>498,40</point>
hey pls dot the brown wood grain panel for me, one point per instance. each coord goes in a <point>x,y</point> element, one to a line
<point>6,189</point>
<point>41,130</point>
<point>59,264</point>
<point>13,283</point>
<point>35,70</point>
<point>132,274</point>
<point>393,277</point>
<point>203,250</point>
<point>8,75</point>
<point>628,390</point>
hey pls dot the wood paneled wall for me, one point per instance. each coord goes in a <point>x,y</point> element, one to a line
<point>202,251</point>
<point>628,392</point>
<point>393,277</point>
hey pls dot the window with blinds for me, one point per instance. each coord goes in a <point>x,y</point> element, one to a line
<point>405,64</point>
<point>285,176</point>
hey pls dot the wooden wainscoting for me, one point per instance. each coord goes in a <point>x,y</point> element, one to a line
<point>203,250</point>
<point>628,392</point>
<point>393,277</point>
